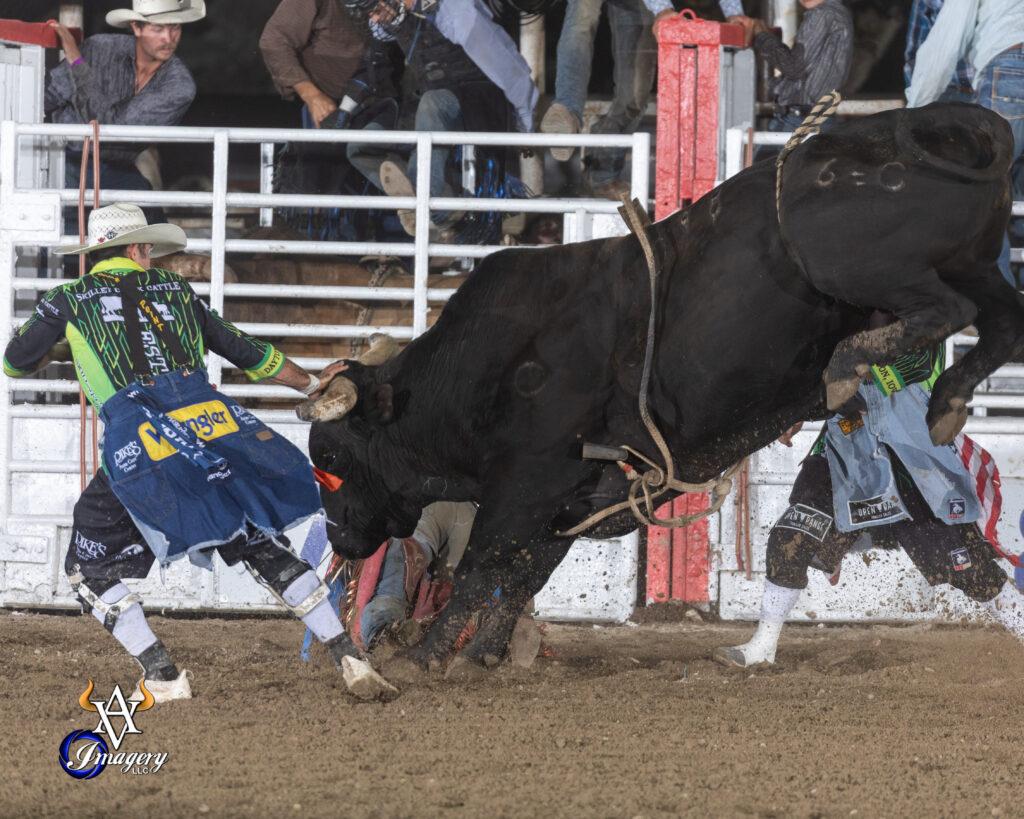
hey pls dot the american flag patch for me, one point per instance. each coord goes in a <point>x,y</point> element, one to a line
<point>982,467</point>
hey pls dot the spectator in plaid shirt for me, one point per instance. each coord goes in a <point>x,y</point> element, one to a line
<point>922,18</point>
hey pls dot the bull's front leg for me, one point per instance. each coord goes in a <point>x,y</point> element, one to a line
<point>928,311</point>
<point>481,571</point>
<point>1000,325</point>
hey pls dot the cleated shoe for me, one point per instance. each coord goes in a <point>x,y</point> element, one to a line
<point>560,120</point>
<point>164,690</point>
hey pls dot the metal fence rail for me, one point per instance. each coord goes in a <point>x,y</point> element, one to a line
<point>32,218</point>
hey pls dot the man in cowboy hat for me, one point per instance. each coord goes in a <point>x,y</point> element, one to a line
<point>125,80</point>
<point>138,336</point>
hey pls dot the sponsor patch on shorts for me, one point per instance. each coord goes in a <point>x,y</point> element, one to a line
<point>208,420</point>
<point>806,519</point>
<point>850,425</point>
<point>960,559</point>
<point>875,510</point>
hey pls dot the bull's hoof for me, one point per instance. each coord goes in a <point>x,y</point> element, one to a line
<point>947,426</point>
<point>403,670</point>
<point>461,669</point>
<point>365,683</point>
<point>839,389</point>
<point>525,643</point>
<point>838,393</point>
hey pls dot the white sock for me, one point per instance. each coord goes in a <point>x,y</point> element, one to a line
<point>131,629</point>
<point>1007,609</point>
<point>322,620</point>
<point>776,604</point>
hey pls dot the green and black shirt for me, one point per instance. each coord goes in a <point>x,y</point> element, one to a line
<point>88,312</point>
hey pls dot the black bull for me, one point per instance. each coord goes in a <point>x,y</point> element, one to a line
<point>761,322</point>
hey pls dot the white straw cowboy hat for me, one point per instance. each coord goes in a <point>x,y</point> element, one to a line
<point>159,12</point>
<point>122,224</point>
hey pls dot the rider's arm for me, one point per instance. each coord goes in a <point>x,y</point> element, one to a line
<point>258,359</point>
<point>47,325</point>
<point>469,24</point>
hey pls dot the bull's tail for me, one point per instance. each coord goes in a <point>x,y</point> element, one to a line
<point>824,108</point>
<point>977,144</point>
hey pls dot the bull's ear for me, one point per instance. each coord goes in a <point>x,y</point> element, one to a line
<point>380,407</point>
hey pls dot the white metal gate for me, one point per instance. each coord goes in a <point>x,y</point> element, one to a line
<point>39,442</point>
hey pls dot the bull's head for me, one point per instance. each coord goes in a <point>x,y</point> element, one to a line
<point>346,439</point>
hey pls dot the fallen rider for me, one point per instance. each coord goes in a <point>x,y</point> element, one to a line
<point>877,471</point>
<point>405,582</point>
<point>186,471</point>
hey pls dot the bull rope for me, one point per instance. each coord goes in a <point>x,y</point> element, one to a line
<point>657,480</point>
<point>824,108</point>
<point>84,409</point>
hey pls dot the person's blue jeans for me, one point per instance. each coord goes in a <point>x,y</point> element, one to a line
<point>780,123</point>
<point>388,604</point>
<point>438,110</point>
<point>636,56</point>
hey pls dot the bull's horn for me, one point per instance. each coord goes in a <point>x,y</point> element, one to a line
<point>147,701</point>
<point>338,399</point>
<point>382,347</point>
<point>84,699</point>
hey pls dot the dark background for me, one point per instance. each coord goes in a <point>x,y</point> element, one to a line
<point>234,88</point>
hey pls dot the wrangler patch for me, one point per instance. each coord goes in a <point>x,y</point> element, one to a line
<point>208,420</point>
<point>806,519</point>
<point>850,425</point>
<point>875,510</point>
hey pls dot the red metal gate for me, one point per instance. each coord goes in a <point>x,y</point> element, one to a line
<point>689,66</point>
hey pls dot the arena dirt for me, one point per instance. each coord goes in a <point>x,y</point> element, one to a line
<point>623,722</point>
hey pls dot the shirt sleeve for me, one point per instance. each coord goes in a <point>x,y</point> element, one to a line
<point>44,328</point>
<point>828,59</point>
<point>287,32</point>
<point>790,62</point>
<point>60,88</point>
<point>258,359</point>
<point>938,55</point>
<point>469,24</point>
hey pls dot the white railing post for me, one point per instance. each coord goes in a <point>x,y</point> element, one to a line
<point>421,258</point>
<point>734,139</point>
<point>218,229</point>
<point>640,168</point>
<point>8,158</point>
<point>266,181</point>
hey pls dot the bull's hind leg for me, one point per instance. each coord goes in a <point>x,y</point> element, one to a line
<point>927,311</point>
<point>1000,324</point>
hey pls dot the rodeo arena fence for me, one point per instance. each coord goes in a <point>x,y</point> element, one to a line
<point>705,109</point>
